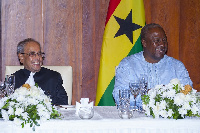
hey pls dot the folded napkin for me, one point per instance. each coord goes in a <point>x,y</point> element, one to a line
<point>84,102</point>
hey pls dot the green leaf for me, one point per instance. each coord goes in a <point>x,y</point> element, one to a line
<point>176,88</point>
<point>36,84</point>
<point>158,98</point>
<point>145,99</point>
<point>31,125</point>
<point>151,112</point>
<point>36,123</point>
<point>22,124</point>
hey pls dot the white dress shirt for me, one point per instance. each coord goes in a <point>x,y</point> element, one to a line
<point>162,72</point>
<point>30,80</point>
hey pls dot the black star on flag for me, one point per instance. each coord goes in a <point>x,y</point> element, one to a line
<point>127,27</point>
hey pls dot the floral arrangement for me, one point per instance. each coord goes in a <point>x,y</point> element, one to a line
<point>28,104</point>
<point>171,101</point>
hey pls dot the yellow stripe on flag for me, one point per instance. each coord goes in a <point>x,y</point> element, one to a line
<point>114,49</point>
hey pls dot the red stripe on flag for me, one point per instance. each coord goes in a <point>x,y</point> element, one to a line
<point>112,6</point>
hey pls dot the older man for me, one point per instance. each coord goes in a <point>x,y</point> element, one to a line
<point>152,61</point>
<point>30,55</point>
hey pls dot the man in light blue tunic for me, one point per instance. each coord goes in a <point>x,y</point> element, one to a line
<point>152,61</point>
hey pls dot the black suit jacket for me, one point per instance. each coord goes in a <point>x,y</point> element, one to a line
<point>50,81</point>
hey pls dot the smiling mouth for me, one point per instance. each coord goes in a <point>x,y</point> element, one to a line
<point>160,50</point>
<point>36,63</point>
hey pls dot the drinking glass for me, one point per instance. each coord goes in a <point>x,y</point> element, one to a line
<point>86,112</point>
<point>2,89</point>
<point>135,89</point>
<point>125,112</point>
<point>10,84</point>
<point>124,97</point>
<point>124,104</point>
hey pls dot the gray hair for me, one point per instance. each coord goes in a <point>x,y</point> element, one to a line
<point>21,45</point>
<point>146,29</point>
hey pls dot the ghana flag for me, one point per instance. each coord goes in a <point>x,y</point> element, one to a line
<point>125,19</point>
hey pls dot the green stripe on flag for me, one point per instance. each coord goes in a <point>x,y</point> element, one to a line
<point>107,98</point>
<point>137,47</point>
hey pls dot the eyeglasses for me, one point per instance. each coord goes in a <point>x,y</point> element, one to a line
<point>33,54</point>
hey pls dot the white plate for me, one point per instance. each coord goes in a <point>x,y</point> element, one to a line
<point>67,107</point>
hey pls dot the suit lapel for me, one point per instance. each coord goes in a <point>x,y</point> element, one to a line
<point>22,76</point>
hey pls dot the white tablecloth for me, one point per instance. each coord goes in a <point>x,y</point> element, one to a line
<point>106,120</point>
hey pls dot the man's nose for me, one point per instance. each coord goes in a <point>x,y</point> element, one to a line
<point>37,56</point>
<point>162,42</point>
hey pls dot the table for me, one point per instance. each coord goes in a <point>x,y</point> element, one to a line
<point>106,120</point>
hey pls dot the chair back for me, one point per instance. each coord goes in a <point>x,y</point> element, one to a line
<point>65,71</point>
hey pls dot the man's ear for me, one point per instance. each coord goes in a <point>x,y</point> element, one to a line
<point>21,58</point>
<point>144,44</point>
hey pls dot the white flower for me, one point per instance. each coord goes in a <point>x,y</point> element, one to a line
<point>10,110</point>
<point>147,111</point>
<point>182,111</point>
<point>21,98</point>
<point>190,98</point>
<point>163,113</point>
<point>1,104</point>
<point>193,91</point>
<point>156,109</point>
<point>194,109</point>
<point>40,107</point>
<point>164,95</point>
<point>175,82</point>
<point>25,115</point>
<point>2,101</point>
<point>32,101</point>
<point>170,112</point>
<point>143,106</point>
<point>152,94</point>
<point>19,111</point>
<point>163,104</point>
<point>5,115</point>
<point>17,121</point>
<point>47,100</point>
<point>186,106</point>
<point>171,93</point>
<point>151,102</point>
<point>156,113</point>
<point>179,99</point>
<point>34,92</point>
<point>12,103</point>
<point>21,91</point>
<point>157,87</point>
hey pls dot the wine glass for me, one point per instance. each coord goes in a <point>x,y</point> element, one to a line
<point>10,84</point>
<point>143,84</point>
<point>135,89</point>
<point>144,80</point>
<point>143,87</point>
